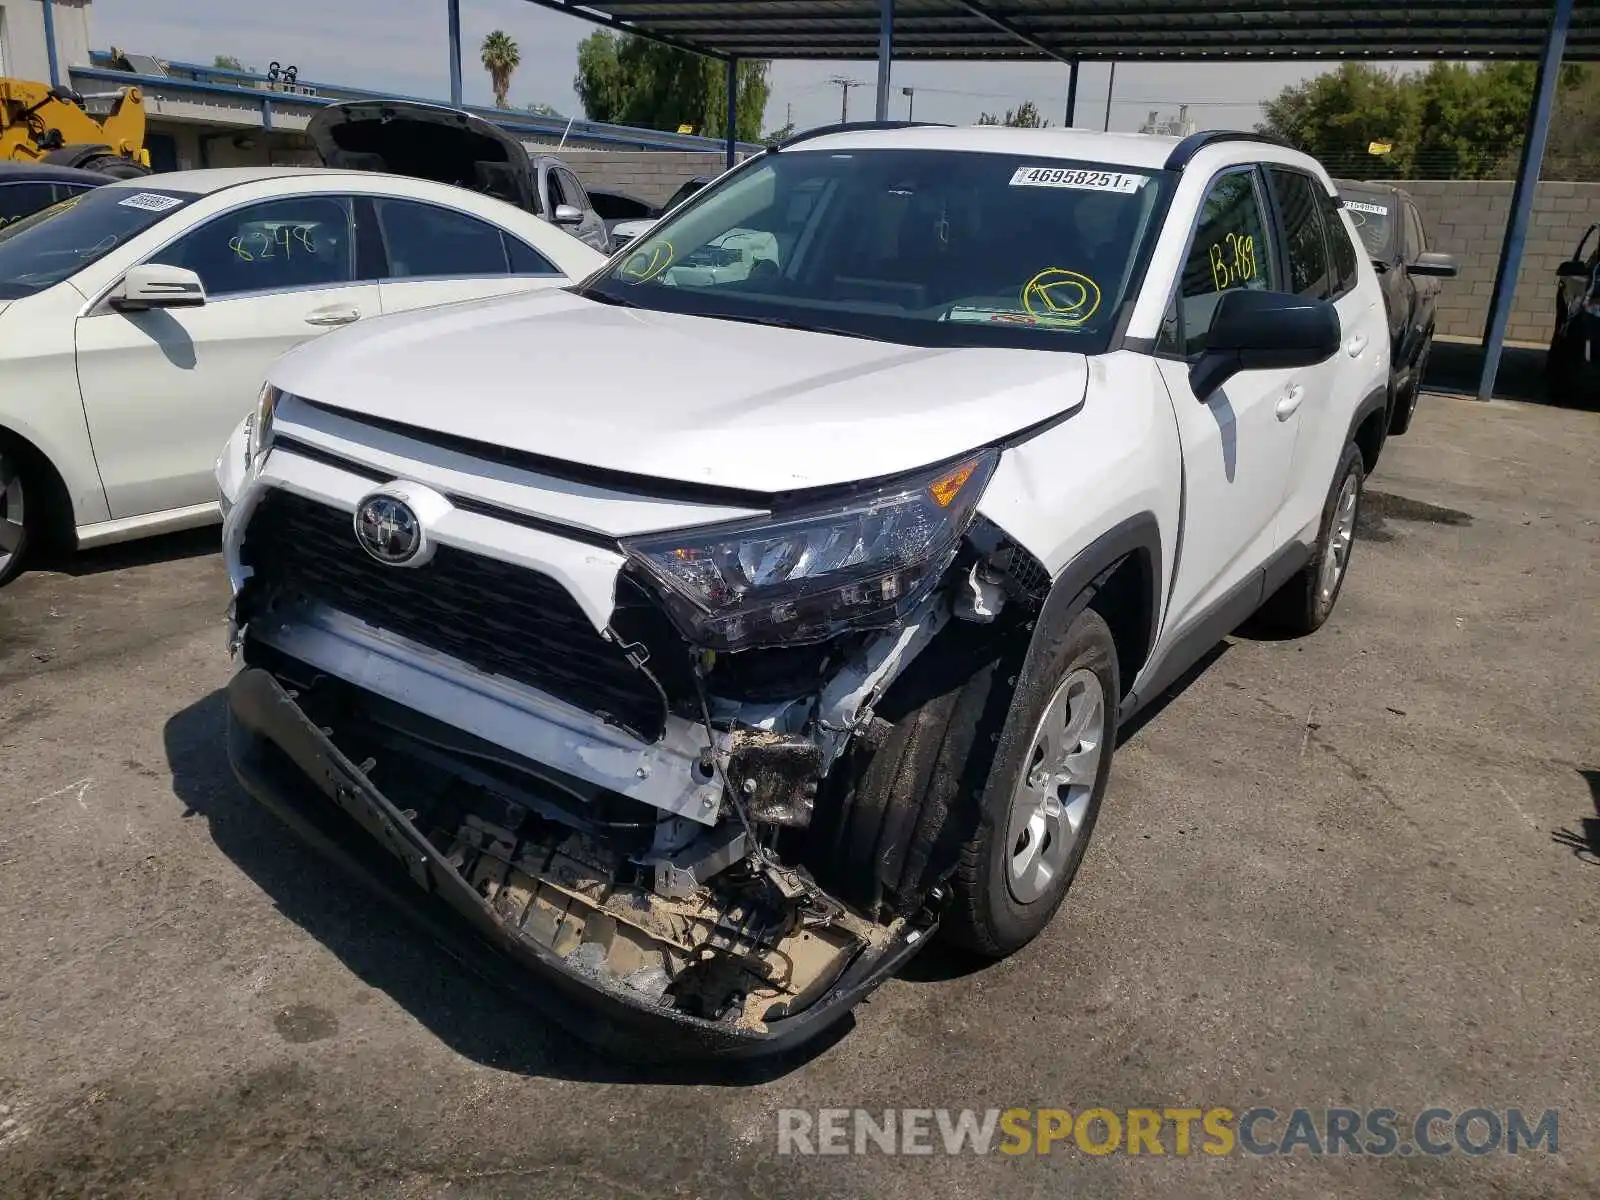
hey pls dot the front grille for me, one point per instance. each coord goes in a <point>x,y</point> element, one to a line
<point>502,619</point>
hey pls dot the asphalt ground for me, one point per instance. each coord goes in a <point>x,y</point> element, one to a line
<point>1361,869</point>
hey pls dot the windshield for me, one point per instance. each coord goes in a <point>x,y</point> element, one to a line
<point>41,250</point>
<point>1373,214</point>
<point>921,247</point>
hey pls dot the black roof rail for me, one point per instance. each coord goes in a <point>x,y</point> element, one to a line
<point>854,126</point>
<point>1196,142</point>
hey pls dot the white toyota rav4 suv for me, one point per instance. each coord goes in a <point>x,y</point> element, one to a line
<point>704,635</point>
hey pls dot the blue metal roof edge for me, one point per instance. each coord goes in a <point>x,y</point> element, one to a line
<point>589,131</point>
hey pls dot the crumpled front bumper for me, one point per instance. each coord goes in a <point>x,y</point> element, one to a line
<point>287,763</point>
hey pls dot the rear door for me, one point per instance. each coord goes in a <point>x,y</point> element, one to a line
<point>1321,268</point>
<point>164,388</point>
<point>436,255</point>
<point>1239,444</point>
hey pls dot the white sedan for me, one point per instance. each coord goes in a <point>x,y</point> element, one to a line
<point>138,320</point>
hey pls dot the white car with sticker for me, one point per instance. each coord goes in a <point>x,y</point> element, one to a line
<point>138,319</point>
<point>809,630</point>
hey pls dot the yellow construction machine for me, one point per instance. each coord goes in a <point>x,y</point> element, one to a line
<point>44,124</point>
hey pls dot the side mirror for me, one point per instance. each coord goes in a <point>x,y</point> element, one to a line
<point>1432,263</point>
<point>1573,268</point>
<point>156,286</point>
<point>568,214</point>
<point>1258,331</point>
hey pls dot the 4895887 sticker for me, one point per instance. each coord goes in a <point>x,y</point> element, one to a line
<point>1078,179</point>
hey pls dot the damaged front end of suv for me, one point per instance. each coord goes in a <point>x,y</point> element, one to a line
<point>651,769</point>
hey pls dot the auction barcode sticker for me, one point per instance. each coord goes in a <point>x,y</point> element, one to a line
<point>1358,206</point>
<point>150,201</point>
<point>1078,179</point>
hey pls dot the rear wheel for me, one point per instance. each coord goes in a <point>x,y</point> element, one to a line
<point>14,515</point>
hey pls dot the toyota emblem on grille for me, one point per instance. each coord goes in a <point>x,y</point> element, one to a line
<point>388,530</point>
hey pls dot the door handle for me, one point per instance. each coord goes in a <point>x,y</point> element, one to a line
<point>333,316</point>
<point>1290,403</point>
<point>1356,345</point>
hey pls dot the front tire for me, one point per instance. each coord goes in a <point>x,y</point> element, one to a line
<point>1406,407</point>
<point>15,516</point>
<point>1304,603</point>
<point>1042,797</point>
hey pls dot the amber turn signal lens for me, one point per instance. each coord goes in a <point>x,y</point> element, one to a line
<point>947,487</point>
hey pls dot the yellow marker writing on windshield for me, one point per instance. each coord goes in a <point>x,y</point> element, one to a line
<point>647,264</point>
<point>1061,297</point>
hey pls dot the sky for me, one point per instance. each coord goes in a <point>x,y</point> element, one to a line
<point>401,46</point>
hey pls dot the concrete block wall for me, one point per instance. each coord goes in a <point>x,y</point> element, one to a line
<point>651,175</point>
<point>1468,218</point>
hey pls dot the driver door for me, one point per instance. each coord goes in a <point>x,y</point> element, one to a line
<point>1238,445</point>
<point>163,388</point>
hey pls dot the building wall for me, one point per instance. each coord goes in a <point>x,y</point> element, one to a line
<point>22,48</point>
<point>1468,219</point>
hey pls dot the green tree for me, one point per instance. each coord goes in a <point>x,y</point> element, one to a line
<point>500,58</point>
<point>1335,117</point>
<point>1449,122</point>
<point>628,80</point>
<point>1024,116</point>
<point>229,63</point>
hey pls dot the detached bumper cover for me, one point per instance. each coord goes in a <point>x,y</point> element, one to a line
<point>296,771</point>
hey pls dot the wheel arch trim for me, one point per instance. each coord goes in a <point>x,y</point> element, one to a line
<point>1075,584</point>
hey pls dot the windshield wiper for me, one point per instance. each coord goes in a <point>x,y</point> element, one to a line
<point>599,297</point>
<point>787,323</point>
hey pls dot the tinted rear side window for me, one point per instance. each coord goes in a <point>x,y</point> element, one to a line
<point>426,241</point>
<point>525,260</point>
<point>1342,251</point>
<point>1304,239</point>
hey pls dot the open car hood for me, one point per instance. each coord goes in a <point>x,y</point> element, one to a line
<point>427,141</point>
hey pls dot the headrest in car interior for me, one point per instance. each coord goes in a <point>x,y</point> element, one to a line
<point>496,178</point>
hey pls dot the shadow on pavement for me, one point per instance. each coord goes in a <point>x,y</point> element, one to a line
<point>171,547</point>
<point>1454,369</point>
<point>1584,842</point>
<point>477,1016</point>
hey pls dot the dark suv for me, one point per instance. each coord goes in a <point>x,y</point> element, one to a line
<point>1575,345</point>
<point>1392,232</point>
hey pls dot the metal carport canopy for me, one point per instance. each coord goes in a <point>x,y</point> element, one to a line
<point>1089,30</point>
<point>1075,31</point>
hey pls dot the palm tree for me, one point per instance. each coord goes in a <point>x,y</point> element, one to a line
<point>500,58</point>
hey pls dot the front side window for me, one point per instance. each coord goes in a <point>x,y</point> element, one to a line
<point>40,250</point>
<point>922,247</point>
<point>1232,249</point>
<point>270,246</point>
<point>426,241</point>
<point>1300,208</point>
<point>1416,240</point>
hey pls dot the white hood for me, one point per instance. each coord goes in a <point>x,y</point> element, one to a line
<point>692,399</point>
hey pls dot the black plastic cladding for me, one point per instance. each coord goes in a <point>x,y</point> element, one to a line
<point>1196,142</point>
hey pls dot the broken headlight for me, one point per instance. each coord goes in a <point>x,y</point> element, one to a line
<point>807,574</point>
<point>258,427</point>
